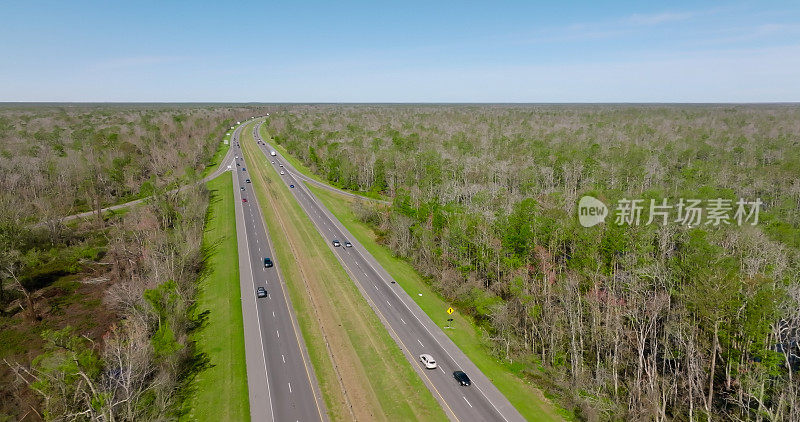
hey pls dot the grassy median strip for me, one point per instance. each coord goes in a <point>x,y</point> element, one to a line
<point>362,372</point>
<point>527,399</point>
<point>220,391</point>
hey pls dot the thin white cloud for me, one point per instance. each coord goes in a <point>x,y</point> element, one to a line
<point>120,63</point>
<point>747,33</point>
<point>777,28</point>
<point>659,18</point>
<point>736,75</point>
<point>623,26</point>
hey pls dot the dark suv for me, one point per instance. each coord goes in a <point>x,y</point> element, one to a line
<point>462,378</point>
<point>267,262</point>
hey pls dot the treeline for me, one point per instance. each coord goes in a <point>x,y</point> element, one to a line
<point>95,315</point>
<point>635,322</point>
<point>63,160</point>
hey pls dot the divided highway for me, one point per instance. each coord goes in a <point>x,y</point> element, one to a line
<point>411,328</point>
<point>281,381</point>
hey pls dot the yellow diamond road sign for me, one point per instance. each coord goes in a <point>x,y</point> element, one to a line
<point>450,311</point>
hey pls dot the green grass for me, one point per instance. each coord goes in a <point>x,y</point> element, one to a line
<point>466,335</point>
<point>357,328</point>
<point>220,391</point>
<point>14,341</point>
<point>307,172</point>
<point>216,159</point>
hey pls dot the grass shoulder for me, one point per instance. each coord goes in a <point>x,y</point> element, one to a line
<point>220,391</point>
<point>219,154</point>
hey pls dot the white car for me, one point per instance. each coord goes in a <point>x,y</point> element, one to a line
<point>427,360</point>
<point>282,173</point>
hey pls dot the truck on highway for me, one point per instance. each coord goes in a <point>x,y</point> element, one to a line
<point>273,153</point>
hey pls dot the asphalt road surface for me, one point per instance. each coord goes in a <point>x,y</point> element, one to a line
<point>411,328</point>
<point>280,377</point>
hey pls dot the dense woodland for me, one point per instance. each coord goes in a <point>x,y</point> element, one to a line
<point>618,322</point>
<point>645,322</point>
<point>95,314</point>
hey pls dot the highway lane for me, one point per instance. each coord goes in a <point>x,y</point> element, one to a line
<point>279,370</point>
<point>305,178</point>
<point>411,328</point>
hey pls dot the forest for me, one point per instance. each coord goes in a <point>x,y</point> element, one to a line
<point>95,314</point>
<point>661,321</point>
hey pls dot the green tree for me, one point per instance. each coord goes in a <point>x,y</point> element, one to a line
<point>67,375</point>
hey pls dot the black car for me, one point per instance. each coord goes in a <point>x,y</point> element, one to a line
<point>242,187</point>
<point>261,292</point>
<point>247,180</point>
<point>336,243</point>
<point>267,262</point>
<point>462,378</point>
<point>347,244</point>
<point>291,186</point>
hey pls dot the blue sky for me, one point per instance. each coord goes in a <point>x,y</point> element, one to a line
<point>581,51</point>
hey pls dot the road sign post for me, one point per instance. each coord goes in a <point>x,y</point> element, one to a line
<point>449,320</point>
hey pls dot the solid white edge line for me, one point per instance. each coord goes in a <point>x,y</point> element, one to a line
<point>409,309</point>
<point>255,301</point>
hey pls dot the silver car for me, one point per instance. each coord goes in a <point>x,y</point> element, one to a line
<point>427,360</point>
